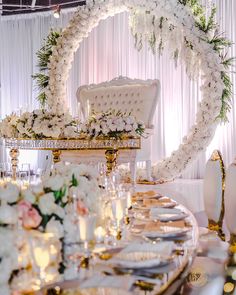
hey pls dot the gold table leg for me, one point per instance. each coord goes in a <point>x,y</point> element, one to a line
<point>111,157</point>
<point>56,156</point>
<point>14,154</point>
<point>232,243</point>
<point>217,227</point>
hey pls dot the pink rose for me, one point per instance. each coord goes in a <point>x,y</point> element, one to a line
<point>23,207</point>
<point>28,215</point>
<point>82,210</point>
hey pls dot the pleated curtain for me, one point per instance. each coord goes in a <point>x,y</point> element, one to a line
<point>107,53</point>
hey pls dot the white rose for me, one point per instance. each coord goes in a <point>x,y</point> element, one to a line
<point>71,232</point>
<point>47,204</point>
<point>8,215</point>
<point>59,211</point>
<point>23,280</point>
<point>54,182</point>
<point>5,270</point>
<point>29,196</point>
<point>121,127</point>
<point>128,128</point>
<point>6,241</point>
<point>55,227</point>
<point>10,193</point>
<point>37,189</point>
<point>113,127</point>
<point>5,290</point>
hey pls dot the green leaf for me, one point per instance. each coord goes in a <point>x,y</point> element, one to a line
<point>74,181</point>
<point>45,220</point>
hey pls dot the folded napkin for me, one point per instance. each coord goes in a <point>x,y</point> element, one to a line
<point>162,248</point>
<point>160,226</point>
<point>145,195</point>
<point>116,282</point>
<point>157,202</point>
<point>167,214</point>
<point>163,211</point>
<point>139,255</point>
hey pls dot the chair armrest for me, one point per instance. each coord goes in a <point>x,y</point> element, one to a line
<point>148,132</point>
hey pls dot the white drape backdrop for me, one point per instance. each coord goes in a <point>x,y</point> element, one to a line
<point>107,53</point>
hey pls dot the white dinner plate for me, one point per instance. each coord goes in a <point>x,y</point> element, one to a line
<point>155,262</point>
<point>167,214</point>
<point>167,232</point>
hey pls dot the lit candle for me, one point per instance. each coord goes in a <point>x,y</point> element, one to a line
<point>100,234</point>
<point>41,256</point>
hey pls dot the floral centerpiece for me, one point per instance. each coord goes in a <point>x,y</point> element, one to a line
<point>43,208</point>
<point>113,124</point>
<point>39,124</point>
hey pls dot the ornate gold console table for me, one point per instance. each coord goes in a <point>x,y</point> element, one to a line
<point>110,146</point>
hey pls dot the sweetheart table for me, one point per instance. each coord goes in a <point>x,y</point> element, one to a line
<point>111,147</point>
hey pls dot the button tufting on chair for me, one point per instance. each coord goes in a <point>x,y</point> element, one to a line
<point>138,96</point>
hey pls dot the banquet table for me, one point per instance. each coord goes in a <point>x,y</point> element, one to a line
<point>161,279</point>
<point>110,146</point>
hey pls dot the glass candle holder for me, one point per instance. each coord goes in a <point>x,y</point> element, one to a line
<point>87,224</point>
<point>45,250</point>
<point>118,208</point>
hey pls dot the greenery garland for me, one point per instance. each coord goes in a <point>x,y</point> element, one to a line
<point>43,55</point>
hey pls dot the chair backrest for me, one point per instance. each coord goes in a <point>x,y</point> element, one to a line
<point>213,188</point>
<point>230,199</point>
<point>128,95</point>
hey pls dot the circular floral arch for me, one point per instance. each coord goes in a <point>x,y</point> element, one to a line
<point>209,62</point>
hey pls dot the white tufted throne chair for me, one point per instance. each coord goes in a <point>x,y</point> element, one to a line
<point>128,95</point>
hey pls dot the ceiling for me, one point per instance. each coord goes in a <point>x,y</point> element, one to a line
<point>11,7</point>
